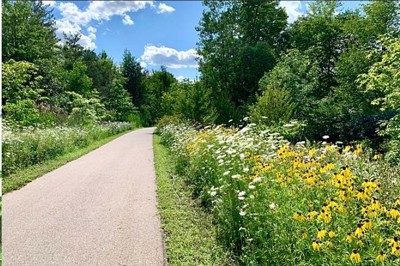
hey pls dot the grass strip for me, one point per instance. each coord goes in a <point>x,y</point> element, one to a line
<point>21,177</point>
<point>189,234</point>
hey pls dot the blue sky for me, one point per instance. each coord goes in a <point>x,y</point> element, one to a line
<point>156,32</point>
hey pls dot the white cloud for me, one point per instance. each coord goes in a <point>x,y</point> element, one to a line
<point>87,41</point>
<point>292,9</point>
<point>143,64</point>
<point>92,32</point>
<point>66,26</point>
<point>73,19</point>
<point>169,57</point>
<point>127,20</point>
<point>163,8</point>
<point>100,10</point>
<point>180,78</point>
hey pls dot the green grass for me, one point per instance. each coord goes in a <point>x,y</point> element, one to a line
<point>189,235</point>
<point>24,176</point>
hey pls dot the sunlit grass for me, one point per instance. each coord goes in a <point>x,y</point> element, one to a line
<point>189,235</point>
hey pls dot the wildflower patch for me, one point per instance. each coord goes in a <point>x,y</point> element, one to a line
<point>331,204</point>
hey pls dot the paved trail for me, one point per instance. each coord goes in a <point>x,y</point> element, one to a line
<point>97,210</point>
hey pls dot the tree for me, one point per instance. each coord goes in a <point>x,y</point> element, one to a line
<point>132,72</point>
<point>237,43</point>
<point>71,50</point>
<point>21,92</point>
<point>273,107</point>
<point>78,81</point>
<point>189,101</point>
<point>119,102</point>
<point>383,81</point>
<point>156,84</point>
<point>28,33</point>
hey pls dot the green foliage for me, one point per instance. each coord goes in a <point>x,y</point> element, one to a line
<point>132,72</point>
<point>119,102</point>
<point>236,45</point>
<point>191,239</point>
<point>383,80</point>
<point>78,81</point>
<point>20,80</point>
<point>190,101</point>
<point>274,106</point>
<point>28,33</point>
<point>156,84</point>
<point>22,113</point>
<point>168,120</point>
<point>83,111</point>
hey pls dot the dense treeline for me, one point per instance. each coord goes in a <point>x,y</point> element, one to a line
<point>47,81</point>
<point>335,72</point>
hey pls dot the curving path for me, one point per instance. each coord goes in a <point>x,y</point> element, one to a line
<point>97,210</point>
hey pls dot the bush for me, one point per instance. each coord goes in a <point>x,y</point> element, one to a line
<point>22,113</point>
<point>280,204</point>
<point>272,107</point>
<point>167,120</point>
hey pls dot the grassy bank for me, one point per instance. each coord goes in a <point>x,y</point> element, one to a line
<point>189,235</point>
<point>23,176</point>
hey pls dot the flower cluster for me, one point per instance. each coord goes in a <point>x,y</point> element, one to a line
<point>281,204</point>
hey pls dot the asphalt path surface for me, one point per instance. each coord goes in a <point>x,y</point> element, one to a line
<point>100,209</point>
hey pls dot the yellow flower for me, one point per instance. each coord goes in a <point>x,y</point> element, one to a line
<point>298,216</point>
<point>349,237</point>
<point>359,231</point>
<point>397,202</point>
<point>342,209</point>
<point>358,149</point>
<point>367,224</point>
<point>394,242</point>
<point>396,251</point>
<point>321,234</point>
<point>361,195</point>
<point>355,256</point>
<point>311,215</point>
<point>316,245</point>
<point>381,257</point>
<point>394,213</point>
<point>331,234</point>
<point>332,204</point>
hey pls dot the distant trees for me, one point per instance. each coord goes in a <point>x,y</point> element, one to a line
<point>135,76</point>
<point>237,45</point>
<point>325,54</point>
<point>45,82</point>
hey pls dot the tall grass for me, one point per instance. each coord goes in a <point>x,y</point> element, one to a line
<point>281,204</point>
<point>28,146</point>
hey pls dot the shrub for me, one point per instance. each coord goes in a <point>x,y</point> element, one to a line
<point>272,107</point>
